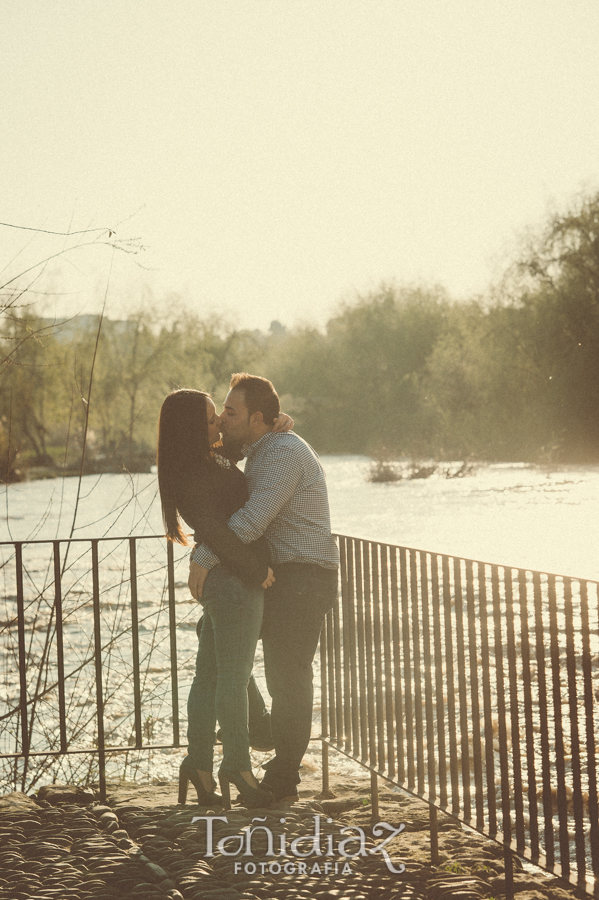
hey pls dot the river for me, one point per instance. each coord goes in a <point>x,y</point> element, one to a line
<point>514,514</point>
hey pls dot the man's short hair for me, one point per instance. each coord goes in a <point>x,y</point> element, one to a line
<point>259,395</point>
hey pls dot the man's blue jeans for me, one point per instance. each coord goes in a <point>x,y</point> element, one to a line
<point>294,611</point>
<point>230,631</point>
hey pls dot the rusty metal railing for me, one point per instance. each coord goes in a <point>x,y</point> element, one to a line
<point>89,655</point>
<point>470,685</point>
<point>473,686</point>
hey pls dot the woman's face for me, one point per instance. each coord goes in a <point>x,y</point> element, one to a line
<point>214,423</point>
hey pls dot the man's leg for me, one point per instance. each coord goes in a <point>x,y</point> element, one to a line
<point>294,610</point>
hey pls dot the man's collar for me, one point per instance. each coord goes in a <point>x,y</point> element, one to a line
<point>248,449</point>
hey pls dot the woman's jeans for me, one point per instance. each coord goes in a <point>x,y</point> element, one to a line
<point>230,631</point>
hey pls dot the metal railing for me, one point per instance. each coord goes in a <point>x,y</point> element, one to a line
<point>470,685</point>
<point>95,636</point>
<point>474,687</point>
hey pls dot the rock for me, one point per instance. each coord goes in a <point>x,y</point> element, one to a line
<point>58,794</point>
<point>15,801</point>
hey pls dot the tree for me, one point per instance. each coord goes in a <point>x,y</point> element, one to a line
<point>360,383</point>
<point>560,273</point>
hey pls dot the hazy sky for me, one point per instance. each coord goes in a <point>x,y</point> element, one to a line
<point>278,155</point>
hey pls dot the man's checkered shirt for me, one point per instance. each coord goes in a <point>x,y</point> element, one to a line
<point>288,504</point>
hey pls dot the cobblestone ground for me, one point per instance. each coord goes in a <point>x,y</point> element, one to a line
<point>64,845</point>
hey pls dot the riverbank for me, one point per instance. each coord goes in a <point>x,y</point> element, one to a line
<point>142,844</point>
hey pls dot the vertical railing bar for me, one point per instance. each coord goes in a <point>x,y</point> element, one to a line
<point>449,668</point>
<point>337,681</point>
<point>474,699</point>
<point>345,649</point>
<point>172,627</point>
<point>378,661</point>
<point>407,677</point>
<point>540,653</point>
<point>23,702</point>
<point>487,704</point>
<point>577,802</point>
<point>370,688</point>
<point>516,755</point>
<point>324,704</point>
<point>62,713</point>
<point>388,661</point>
<point>591,746</point>
<point>397,679</point>
<point>527,680</point>
<point>374,797</point>
<point>415,595</point>
<point>135,641</point>
<point>326,787</point>
<point>361,628</point>
<point>428,679</point>
<point>439,683</point>
<point>98,669</point>
<point>560,768</point>
<point>506,825</point>
<point>462,692</point>
<point>332,721</point>
<point>352,659</point>
<point>324,698</point>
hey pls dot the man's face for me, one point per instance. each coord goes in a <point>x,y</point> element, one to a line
<point>235,420</point>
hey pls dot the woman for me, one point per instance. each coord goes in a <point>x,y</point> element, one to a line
<point>203,488</point>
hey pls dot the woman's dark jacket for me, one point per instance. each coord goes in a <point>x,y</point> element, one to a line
<point>206,500</point>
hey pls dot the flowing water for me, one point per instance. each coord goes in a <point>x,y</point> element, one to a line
<point>516,514</point>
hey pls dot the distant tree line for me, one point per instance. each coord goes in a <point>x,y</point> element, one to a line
<point>400,371</point>
<point>511,376</point>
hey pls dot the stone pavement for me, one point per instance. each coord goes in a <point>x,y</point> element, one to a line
<point>65,845</point>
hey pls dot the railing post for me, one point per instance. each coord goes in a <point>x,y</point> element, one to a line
<point>22,656</point>
<point>374,796</point>
<point>135,641</point>
<point>172,625</point>
<point>59,649</point>
<point>325,769</point>
<point>324,703</point>
<point>98,668</point>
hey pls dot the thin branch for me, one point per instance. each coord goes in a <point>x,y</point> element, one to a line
<point>130,245</point>
<point>59,233</point>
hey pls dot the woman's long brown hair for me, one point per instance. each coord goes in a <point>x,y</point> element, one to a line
<point>183,448</point>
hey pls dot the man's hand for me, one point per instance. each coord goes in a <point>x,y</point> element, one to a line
<point>197,577</point>
<point>283,423</point>
<point>270,579</point>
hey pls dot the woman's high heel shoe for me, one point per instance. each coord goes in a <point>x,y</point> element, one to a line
<point>251,797</point>
<point>188,772</point>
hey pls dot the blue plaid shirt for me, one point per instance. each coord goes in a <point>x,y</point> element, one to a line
<point>288,504</point>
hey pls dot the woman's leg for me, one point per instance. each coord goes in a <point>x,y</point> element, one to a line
<point>235,615</point>
<point>201,706</point>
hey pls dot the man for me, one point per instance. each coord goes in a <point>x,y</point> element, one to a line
<point>288,503</point>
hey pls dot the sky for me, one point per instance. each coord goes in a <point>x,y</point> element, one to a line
<point>277,157</point>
